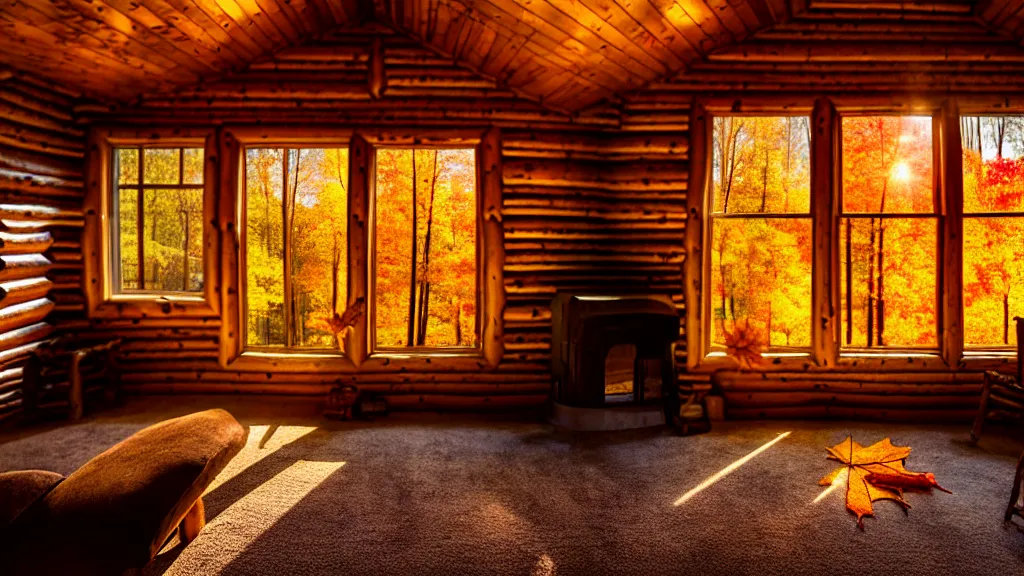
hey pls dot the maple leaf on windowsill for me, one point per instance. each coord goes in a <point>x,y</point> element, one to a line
<point>342,324</point>
<point>875,473</point>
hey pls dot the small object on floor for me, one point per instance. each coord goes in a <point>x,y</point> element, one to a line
<point>716,408</point>
<point>875,473</point>
<point>370,405</point>
<point>340,402</point>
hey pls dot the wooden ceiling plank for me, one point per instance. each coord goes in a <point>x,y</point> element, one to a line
<point>98,62</point>
<point>645,14</point>
<point>278,19</point>
<point>728,18</point>
<point>737,16</point>
<point>578,22</point>
<point>73,27</point>
<point>638,38</point>
<point>248,15</point>
<point>577,15</point>
<point>100,11</point>
<point>549,38</point>
<point>239,31</point>
<point>181,33</point>
<point>542,45</point>
<point>73,69</point>
<point>216,31</point>
<point>704,35</point>
<point>201,30</point>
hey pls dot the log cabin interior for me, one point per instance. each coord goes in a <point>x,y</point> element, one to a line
<point>511,286</point>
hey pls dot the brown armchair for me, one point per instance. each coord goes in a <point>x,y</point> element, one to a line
<point>115,513</point>
<point>62,372</point>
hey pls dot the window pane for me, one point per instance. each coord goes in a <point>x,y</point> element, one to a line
<point>442,309</point>
<point>761,164</point>
<point>173,240</point>
<point>761,276</point>
<point>993,280</point>
<point>128,245</point>
<point>264,265</point>
<point>161,165</point>
<point>888,280</point>
<point>887,164</point>
<point>319,242</point>
<point>193,166</point>
<point>993,149</point>
<point>128,165</point>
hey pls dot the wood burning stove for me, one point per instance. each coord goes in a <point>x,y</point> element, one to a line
<point>611,351</point>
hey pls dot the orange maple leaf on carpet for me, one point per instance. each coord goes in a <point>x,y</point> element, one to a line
<point>875,473</point>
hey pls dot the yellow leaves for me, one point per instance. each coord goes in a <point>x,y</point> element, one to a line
<point>874,473</point>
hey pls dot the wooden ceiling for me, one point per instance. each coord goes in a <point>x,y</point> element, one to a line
<point>567,54</point>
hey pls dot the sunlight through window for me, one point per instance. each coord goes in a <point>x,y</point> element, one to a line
<point>729,469</point>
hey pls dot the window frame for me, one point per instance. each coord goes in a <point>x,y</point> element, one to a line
<point>707,206</point>
<point>826,175</point>
<point>359,354</point>
<point>103,299</point>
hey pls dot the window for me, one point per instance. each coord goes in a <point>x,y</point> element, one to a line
<point>993,257</point>
<point>425,248</point>
<point>361,251</point>
<point>158,219</point>
<point>888,233</point>
<point>760,231</point>
<point>296,246</point>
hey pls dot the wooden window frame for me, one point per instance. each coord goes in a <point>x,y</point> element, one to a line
<point>103,299</point>
<point>359,354</point>
<point>826,166</point>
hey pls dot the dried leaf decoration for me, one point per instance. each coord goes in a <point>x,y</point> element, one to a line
<point>875,473</point>
<point>744,344</point>
<point>340,324</point>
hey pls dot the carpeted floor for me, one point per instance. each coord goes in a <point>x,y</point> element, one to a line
<point>430,494</point>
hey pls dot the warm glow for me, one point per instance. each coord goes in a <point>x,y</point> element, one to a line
<point>839,481</point>
<point>901,172</point>
<point>729,469</point>
<point>262,442</point>
<point>228,535</point>
<point>545,566</point>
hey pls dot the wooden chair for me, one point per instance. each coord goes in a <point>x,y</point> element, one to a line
<point>62,372</point>
<point>1002,394</point>
<point>1016,507</point>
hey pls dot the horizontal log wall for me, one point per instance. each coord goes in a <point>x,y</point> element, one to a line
<point>571,218</point>
<point>41,189</point>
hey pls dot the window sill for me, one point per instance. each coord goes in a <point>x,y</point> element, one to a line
<point>337,362</point>
<point>153,305</point>
<point>866,361</point>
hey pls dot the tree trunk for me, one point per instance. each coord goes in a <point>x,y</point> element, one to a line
<point>412,266</point>
<point>1006,318</point>
<point>421,336</point>
<point>458,322</point>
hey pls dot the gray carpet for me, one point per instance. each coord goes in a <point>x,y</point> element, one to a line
<point>431,494</point>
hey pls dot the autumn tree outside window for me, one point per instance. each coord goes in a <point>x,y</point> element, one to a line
<point>425,248</point>
<point>296,256</point>
<point>157,220</point>
<point>760,230</point>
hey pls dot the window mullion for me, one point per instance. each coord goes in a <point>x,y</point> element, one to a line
<point>950,157</point>
<point>140,226</point>
<point>286,238</point>
<point>825,285</point>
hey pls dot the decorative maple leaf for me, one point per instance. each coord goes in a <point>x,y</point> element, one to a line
<point>875,473</point>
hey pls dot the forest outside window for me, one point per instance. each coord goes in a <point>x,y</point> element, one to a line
<point>993,257</point>
<point>888,237</point>
<point>157,220</point>
<point>296,246</point>
<point>424,249</point>
<point>760,227</point>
